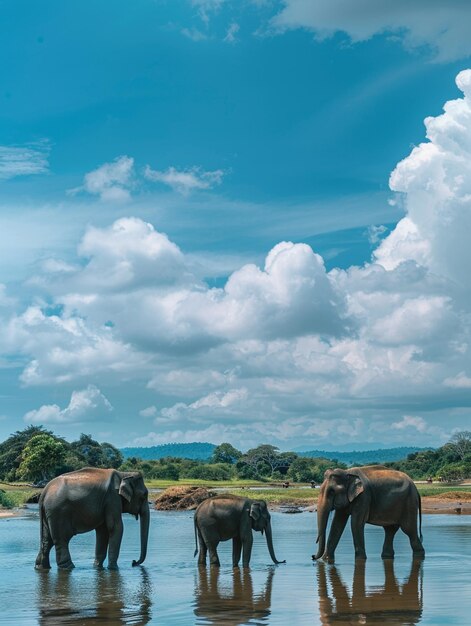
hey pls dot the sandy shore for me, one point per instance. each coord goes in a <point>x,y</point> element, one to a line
<point>429,506</point>
<point>10,513</point>
<point>438,505</point>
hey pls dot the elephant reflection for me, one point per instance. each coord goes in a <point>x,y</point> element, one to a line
<point>218,604</point>
<point>390,603</point>
<point>65,599</point>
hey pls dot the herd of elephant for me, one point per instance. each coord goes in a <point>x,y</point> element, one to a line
<point>94,499</point>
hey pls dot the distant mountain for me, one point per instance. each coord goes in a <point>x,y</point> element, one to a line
<point>201,451</point>
<point>363,457</point>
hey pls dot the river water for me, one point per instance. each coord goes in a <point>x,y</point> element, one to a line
<point>170,590</point>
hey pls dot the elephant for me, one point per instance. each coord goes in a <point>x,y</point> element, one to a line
<point>224,517</point>
<point>218,602</point>
<point>390,603</point>
<point>373,494</point>
<point>91,499</point>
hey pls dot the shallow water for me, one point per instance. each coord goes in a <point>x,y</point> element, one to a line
<point>171,590</point>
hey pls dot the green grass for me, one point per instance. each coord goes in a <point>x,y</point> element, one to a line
<point>442,490</point>
<point>197,482</point>
<point>302,497</point>
<point>15,495</point>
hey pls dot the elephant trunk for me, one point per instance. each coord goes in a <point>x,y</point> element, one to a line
<point>144,516</point>
<point>270,544</point>
<point>324,508</point>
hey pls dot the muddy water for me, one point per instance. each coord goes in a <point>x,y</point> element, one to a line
<point>170,590</point>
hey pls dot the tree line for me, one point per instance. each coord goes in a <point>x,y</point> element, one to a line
<point>450,462</point>
<point>37,455</point>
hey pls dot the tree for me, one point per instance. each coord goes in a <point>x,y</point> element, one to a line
<point>12,448</point>
<point>266,459</point>
<point>41,457</point>
<point>96,454</point>
<point>225,453</point>
<point>461,443</point>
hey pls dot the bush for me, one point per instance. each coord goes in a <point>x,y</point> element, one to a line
<point>206,471</point>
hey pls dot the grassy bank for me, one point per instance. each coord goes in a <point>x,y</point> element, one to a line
<point>13,495</point>
<point>16,495</point>
<point>209,484</point>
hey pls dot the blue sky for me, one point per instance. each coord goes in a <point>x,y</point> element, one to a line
<point>231,127</point>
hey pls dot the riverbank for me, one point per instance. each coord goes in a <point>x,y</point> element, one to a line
<point>9,513</point>
<point>439,499</point>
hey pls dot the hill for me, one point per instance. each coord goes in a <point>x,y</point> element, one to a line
<point>197,450</point>
<point>363,457</point>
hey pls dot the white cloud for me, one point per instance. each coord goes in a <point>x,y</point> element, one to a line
<point>231,34</point>
<point>185,181</point>
<point>375,233</point>
<point>63,348</point>
<point>206,7</point>
<point>436,181</point>
<point>112,182</point>
<point>460,381</point>
<point>150,411</point>
<point>84,406</point>
<point>438,25</point>
<point>24,160</point>
<point>194,34</point>
<point>283,351</point>
<point>410,421</point>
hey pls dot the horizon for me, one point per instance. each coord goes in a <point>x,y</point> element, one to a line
<point>245,223</point>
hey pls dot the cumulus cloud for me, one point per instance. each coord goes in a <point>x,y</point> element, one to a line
<point>24,160</point>
<point>440,26</point>
<point>187,180</point>
<point>85,405</point>
<point>112,182</point>
<point>436,181</point>
<point>284,350</point>
<point>411,421</point>
<point>150,411</point>
<point>61,348</point>
<point>460,381</point>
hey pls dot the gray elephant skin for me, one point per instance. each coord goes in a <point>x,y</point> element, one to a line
<point>226,517</point>
<point>91,499</point>
<point>369,495</point>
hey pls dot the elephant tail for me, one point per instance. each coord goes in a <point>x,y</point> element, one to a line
<point>196,538</point>
<point>420,518</point>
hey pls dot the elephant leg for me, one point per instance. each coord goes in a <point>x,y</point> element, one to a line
<point>247,548</point>
<point>63,558</point>
<point>236,551</point>
<point>358,532</point>
<point>42,560</point>
<point>338,526</point>
<point>203,549</point>
<point>388,550</point>
<point>409,527</point>
<point>101,548</point>
<point>213,555</point>
<point>115,530</point>
<point>61,534</point>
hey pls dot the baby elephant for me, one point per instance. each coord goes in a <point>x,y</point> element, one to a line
<point>226,517</point>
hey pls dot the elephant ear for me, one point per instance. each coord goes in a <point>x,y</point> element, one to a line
<point>355,487</point>
<point>125,488</point>
<point>255,511</point>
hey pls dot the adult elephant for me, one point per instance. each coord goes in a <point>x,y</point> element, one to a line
<point>226,517</point>
<point>91,499</point>
<point>369,495</point>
